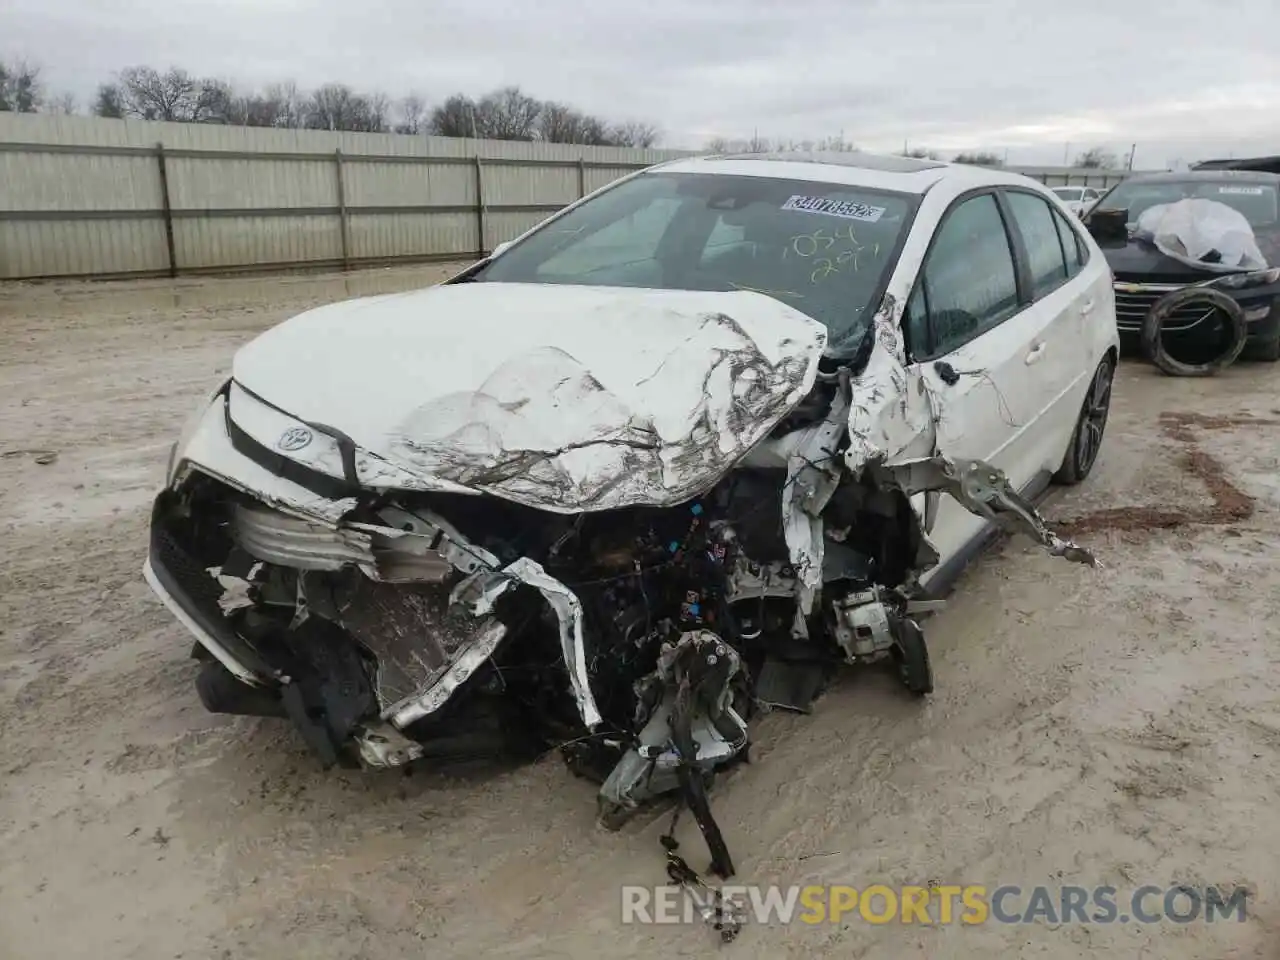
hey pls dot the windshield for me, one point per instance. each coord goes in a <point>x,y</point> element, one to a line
<point>1257,201</point>
<point>825,249</point>
<point>1068,193</point>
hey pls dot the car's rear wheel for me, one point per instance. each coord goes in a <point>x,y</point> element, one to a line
<point>1086,439</point>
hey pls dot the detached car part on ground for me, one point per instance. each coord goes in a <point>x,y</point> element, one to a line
<point>1194,256</point>
<point>512,515</point>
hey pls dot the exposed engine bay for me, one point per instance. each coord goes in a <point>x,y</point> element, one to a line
<point>640,640</point>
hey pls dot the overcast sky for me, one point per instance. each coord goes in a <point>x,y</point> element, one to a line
<point>1040,78</point>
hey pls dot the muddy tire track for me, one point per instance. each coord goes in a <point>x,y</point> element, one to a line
<point>1229,504</point>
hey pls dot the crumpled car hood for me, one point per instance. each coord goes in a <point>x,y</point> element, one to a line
<point>562,398</point>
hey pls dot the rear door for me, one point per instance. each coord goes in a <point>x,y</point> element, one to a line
<point>1056,304</point>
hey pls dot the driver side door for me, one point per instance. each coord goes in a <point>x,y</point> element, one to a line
<point>974,347</point>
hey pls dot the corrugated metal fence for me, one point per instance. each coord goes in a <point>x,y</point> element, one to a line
<point>88,197</point>
<point>82,196</point>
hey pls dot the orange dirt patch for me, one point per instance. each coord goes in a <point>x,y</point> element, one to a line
<point>1230,503</point>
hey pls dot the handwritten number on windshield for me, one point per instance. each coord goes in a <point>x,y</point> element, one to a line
<point>807,245</point>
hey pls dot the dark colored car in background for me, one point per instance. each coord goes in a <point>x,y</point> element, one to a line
<point>1143,275</point>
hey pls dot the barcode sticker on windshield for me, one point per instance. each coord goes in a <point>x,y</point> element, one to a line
<point>1241,191</point>
<point>848,209</point>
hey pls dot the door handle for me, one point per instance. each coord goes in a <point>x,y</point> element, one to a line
<point>1035,354</point>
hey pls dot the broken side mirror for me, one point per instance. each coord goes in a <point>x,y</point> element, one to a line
<point>946,372</point>
<point>1108,226</point>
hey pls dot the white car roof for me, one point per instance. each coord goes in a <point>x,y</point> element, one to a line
<point>876,171</point>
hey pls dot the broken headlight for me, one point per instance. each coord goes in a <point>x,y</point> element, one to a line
<point>189,428</point>
<point>1241,281</point>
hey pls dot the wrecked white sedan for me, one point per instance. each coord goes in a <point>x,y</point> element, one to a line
<point>680,451</point>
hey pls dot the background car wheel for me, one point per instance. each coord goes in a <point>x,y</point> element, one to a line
<point>1268,351</point>
<point>912,656</point>
<point>1086,439</point>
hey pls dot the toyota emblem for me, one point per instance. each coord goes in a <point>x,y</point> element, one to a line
<point>295,438</point>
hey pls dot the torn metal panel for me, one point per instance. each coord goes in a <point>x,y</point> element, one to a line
<point>409,628</point>
<point>484,591</point>
<point>985,491</point>
<point>562,398</point>
<point>891,415</point>
<point>468,660</point>
<point>813,473</point>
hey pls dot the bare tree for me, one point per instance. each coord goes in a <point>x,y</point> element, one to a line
<point>412,112</point>
<point>730,145</point>
<point>331,107</point>
<point>109,101</point>
<point>216,102</point>
<point>19,87</point>
<point>151,95</point>
<point>1096,158</point>
<point>336,106</point>
<point>63,103</point>
<point>920,153</point>
<point>634,133</point>
<point>504,114</point>
<point>758,144</point>
<point>456,117</point>
<point>559,123</point>
<point>287,104</point>
<point>978,159</point>
<point>837,145</point>
<point>253,110</point>
<point>376,115</point>
<point>507,114</point>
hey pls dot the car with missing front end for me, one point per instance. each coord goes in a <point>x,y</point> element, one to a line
<point>1194,313</point>
<point>679,452</point>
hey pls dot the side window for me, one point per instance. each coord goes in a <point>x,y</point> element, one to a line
<point>1034,218</point>
<point>968,279</point>
<point>1070,244</point>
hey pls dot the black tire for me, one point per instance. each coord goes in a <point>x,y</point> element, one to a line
<point>912,656</point>
<point>1086,438</point>
<point>1153,340</point>
<point>1265,351</point>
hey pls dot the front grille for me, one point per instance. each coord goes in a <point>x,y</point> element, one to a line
<point>1133,306</point>
<point>181,566</point>
<point>198,589</point>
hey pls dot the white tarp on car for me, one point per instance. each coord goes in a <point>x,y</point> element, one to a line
<point>1192,229</point>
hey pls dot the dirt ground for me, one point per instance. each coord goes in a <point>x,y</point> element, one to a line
<point>1117,726</point>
